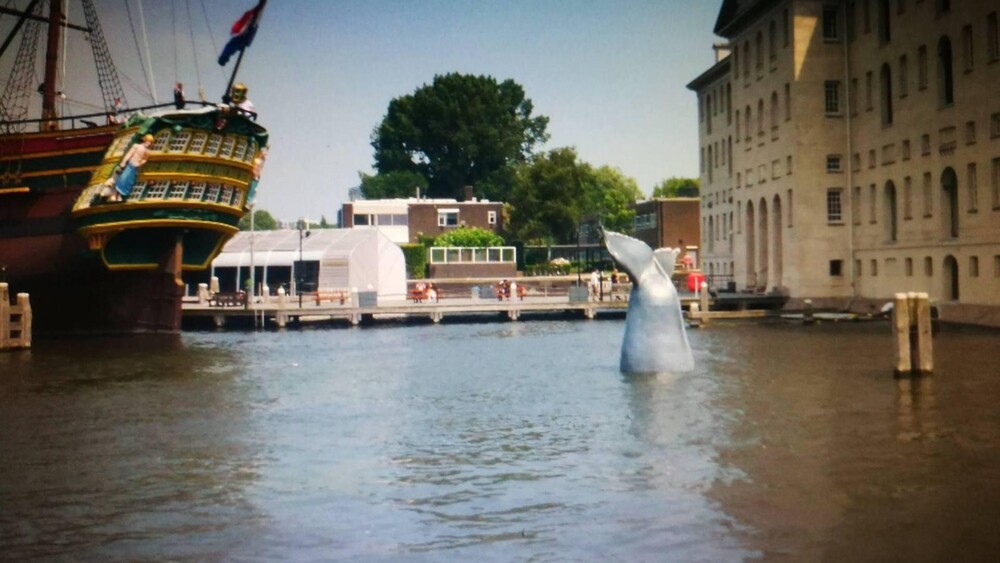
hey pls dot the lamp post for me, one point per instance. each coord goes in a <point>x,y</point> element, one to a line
<point>303,233</point>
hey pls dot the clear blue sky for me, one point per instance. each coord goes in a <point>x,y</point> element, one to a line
<point>610,75</point>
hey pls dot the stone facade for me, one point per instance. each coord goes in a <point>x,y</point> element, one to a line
<point>851,150</point>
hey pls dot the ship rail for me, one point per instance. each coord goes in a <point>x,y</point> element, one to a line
<point>91,120</point>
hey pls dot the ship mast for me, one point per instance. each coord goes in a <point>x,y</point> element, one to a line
<point>51,66</point>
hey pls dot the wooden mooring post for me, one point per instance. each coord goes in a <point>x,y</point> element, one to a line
<point>911,324</point>
<point>15,320</point>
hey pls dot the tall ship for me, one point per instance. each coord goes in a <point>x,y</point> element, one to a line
<point>95,255</point>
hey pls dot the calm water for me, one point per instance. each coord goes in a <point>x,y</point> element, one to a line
<point>498,442</point>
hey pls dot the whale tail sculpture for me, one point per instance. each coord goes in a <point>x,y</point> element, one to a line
<point>655,339</point>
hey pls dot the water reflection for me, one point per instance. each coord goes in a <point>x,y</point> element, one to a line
<point>111,442</point>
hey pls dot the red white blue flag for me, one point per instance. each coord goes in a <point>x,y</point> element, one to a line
<point>242,32</point>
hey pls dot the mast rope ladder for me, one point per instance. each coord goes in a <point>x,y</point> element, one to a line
<point>17,93</point>
<point>107,75</point>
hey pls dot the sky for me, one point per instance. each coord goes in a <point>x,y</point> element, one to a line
<point>610,75</point>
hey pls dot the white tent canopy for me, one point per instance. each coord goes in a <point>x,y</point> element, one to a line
<point>361,259</point>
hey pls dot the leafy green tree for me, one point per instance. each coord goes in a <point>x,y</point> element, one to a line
<point>395,184</point>
<point>469,237</point>
<point>323,223</point>
<point>677,187</point>
<point>262,221</point>
<point>458,131</point>
<point>611,196</point>
<point>547,199</point>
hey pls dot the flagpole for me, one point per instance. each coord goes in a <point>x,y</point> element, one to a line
<point>236,68</point>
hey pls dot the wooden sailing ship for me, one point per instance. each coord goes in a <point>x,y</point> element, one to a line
<point>91,265</point>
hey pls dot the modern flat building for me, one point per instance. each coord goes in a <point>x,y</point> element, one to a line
<point>850,150</point>
<point>405,220</point>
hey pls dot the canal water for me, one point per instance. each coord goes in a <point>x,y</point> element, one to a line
<point>499,442</point>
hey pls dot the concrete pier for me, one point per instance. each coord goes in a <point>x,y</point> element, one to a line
<point>15,320</point>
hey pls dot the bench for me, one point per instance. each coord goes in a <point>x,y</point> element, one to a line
<point>237,299</point>
<point>331,296</point>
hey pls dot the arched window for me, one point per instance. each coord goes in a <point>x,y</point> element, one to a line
<point>946,82</point>
<point>746,59</point>
<point>772,40</point>
<point>729,104</point>
<point>738,126</point>
<point>760,117</point>
<point>886,91</point>
<point>708,113</point>
<point>949,202</point>
<point>760,50</point>
<point>748,132</point>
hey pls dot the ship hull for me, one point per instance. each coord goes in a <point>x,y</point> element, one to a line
<point>91,266</point>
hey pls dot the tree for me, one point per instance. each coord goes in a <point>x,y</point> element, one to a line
<point>458,131</point>
<point>389,185</point>
<point>469,237</point>
<point>262,221</point>
<point>677,187</point>
<point>547,199</point>
<point>611,197</point>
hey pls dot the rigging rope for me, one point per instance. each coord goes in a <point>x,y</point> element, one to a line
<point>194,51</point>
<point>211,37</point>
<point>145,39</point>
<point>138,50</point>
<point>17,94</point>
<point>173,33</point>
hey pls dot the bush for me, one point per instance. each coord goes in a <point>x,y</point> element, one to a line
<point>416,260</point>
<point>469,237</point>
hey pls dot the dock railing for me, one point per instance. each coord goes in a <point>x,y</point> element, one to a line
<point>15,320</point>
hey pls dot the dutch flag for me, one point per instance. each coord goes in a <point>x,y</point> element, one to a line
<point>242,32</point>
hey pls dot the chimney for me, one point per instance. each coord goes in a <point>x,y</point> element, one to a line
<point>721,51</point>
<point>467,190</point>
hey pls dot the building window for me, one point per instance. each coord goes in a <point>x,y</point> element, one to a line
<point>872,217</point>
<point>491,217</point>
<point>928,202</point>
<point>786,29</point>
<point>759,46</point>
<point>946,79</point>
<point>857,267</point>
<point>772,41</point>
<point>871,158</point>
<point>836,267</point>
<point>992,37</point>
<point>903,76</point>
<point>856,162</point>
<point>834,210</point>
<point>831,30</point>
<point>856,205</point>
<point>942,7</point>
<point>968,50</point>
<point>928,266</point>
<point>746,60</point>
<point>831,94</point>
<point>886,79</point>
<point>447,217</point>
<point>853,97</point>
<point>788,101</point>
<point>972,187</point>
<point>790,208</point>
<point>874,267</point>
<point>833,163</point>
<point>996,266</point>
<point>973,266</point>
<point>925,144</point>
<point>866,10</point>
<point>869,103</point>
<point>908,265</point>
<point>907,198</point>
<point>970,132</point>
<point>788,165</point>
<point>996,184</point>
<point>884,22</point>
<point>906,149</point>
<point>922,67</point>
<point>901,6</point>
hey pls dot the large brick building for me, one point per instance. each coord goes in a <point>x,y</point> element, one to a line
<point>851,150</point>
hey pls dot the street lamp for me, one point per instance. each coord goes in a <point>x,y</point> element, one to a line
<point>303,233</point>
